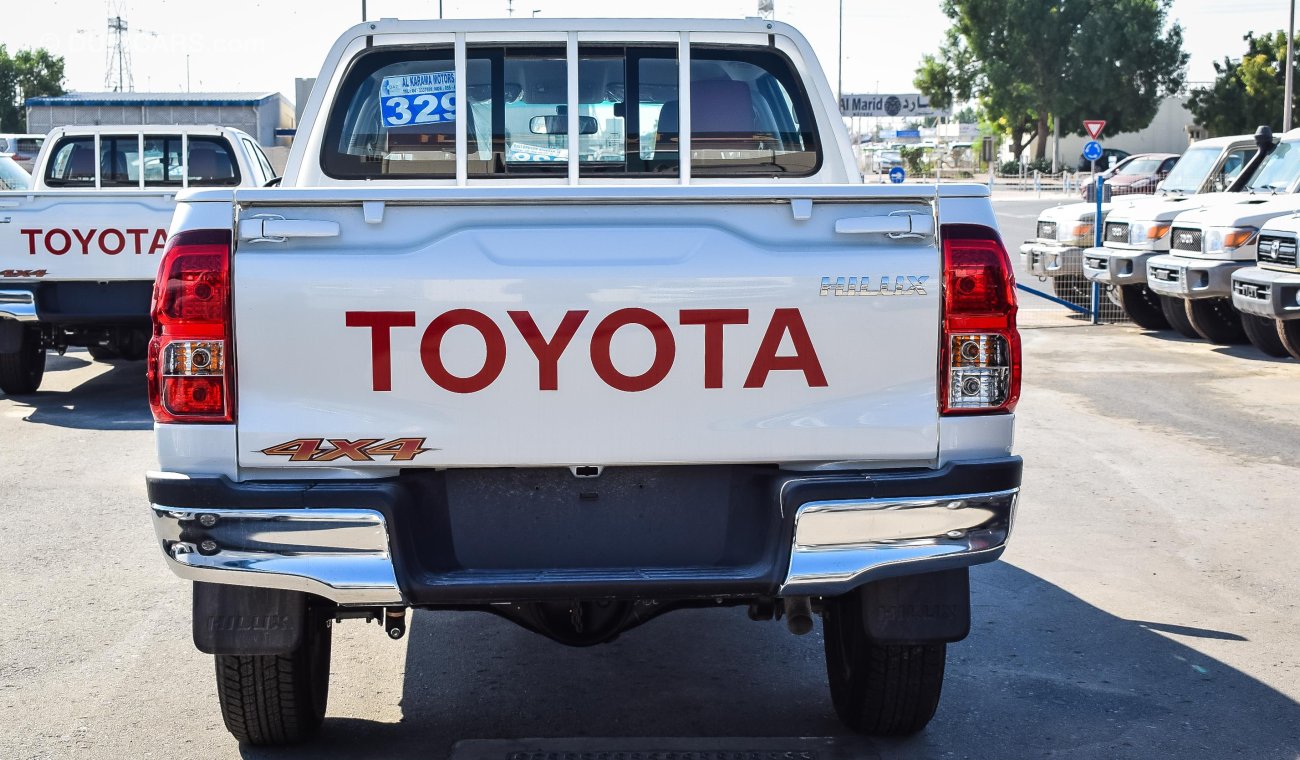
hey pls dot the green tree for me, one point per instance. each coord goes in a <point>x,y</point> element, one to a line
<point>1247,92</point>
<point>1028,60</point>
<point>26,74</point>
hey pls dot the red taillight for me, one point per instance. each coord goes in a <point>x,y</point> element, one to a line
<point>191,377</point>
<point>980,370</point>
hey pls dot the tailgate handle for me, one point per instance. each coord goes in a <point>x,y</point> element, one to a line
<point>279,229</point>
<point>896,225</point>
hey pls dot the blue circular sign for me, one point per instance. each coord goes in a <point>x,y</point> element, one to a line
<point>897,175</point>
<point>1092,150</point>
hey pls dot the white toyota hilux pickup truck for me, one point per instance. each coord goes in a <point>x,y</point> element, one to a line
<point>580,322</point>
<point>1208,245</point>
<point>79,250</point>
<point>1134,233</point>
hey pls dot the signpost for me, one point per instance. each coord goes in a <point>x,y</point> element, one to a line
<point>1092,150</point>
<point>897,175</point>
<point>1094,127</point>
<point>902,105</point>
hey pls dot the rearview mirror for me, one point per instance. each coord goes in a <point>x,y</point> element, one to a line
<point>559,125</point>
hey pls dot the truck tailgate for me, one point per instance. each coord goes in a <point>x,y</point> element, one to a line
<point>431,331</point>
<point>102,235</point>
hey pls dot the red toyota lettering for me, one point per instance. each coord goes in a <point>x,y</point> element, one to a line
<point>714,320</point>
<point>665,350</point>
<point>805,357</point>
<point>103,246</point>
<point>547,352</point>
<point>381,324</point>
<point>31,239</point>
<point>431,351</point>
<point>67,242</point>
<point>84,240</point>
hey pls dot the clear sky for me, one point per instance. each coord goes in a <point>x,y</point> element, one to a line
<point>262,45</point>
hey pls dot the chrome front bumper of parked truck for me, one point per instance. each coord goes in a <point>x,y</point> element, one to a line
<point>1116,266</point>
<point>1190,278</point>
<point>822,543</point>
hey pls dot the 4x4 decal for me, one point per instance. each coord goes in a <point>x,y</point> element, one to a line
<point>359,450</point>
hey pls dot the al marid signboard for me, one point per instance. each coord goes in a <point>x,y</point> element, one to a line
<point>886,106</point>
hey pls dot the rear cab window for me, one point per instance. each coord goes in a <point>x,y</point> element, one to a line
<point>395,114</point>
<point>122,158</point>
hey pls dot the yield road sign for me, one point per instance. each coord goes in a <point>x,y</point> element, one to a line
<point>1094,127</point>
<point>1092,150</point>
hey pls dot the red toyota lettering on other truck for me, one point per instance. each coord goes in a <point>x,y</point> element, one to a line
<point>547,351</point>
<point>108,241</point>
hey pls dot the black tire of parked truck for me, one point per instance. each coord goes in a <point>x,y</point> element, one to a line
<point>272,700</point>
<point>1142,306</point>
<point>1175,310</point>
<point>878,689</point>
<point>1216,320</point>
<point>21,371</point>
<point>1289,333</point>
<point>1263,334</point>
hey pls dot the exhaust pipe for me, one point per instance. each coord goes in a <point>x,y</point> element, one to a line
<point>798,614</point>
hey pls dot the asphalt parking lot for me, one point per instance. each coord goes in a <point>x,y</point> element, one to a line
<point>1147,606</point>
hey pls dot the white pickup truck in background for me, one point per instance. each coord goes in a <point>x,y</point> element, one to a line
<point>1064,232</point>
<point>1133,233</point>
<point>579,322</point>
<point>1207,245</point>
<point>80,248</point>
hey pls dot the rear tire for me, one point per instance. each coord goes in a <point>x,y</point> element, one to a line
<point>103,353</point>
<point>1142,306</point>
<point>21,372</point>
<point>1288,331</point>
<point>1074,289</point>
<point>1216,321</point>
<point>1175,311</point>
<point>272,700</point>
<point>878,689</point>
<point>1263,334</point>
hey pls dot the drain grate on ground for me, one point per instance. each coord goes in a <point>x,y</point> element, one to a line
<point>660,748</point>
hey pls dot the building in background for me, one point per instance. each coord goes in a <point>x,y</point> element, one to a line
<point>260,114</point>
<point>1171,131</point>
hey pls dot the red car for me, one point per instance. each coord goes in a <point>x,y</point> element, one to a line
<point>1139,173</point>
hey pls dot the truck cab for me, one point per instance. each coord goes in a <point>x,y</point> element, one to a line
<point>80,248</point>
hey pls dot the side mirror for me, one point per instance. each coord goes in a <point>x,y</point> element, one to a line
<point>1160,186</point>
<point>559,125</point>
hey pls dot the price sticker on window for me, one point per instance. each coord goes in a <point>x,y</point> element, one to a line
<point>418,99</point>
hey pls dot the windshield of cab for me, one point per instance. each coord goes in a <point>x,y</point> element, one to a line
<point>1140,166</point>
<point>1279,171</point>
<point>1190,171</point>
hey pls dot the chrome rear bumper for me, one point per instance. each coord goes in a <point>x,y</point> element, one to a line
<point>18,304</point>
<point>381,543</point>
<point>340,554</point>
<point>842,544</point>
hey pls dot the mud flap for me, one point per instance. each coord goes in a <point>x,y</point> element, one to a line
<point>245,620</point>
<point>918,609</point>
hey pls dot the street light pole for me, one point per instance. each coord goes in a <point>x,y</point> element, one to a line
<point>1290,71</point>
<point>839,62</point>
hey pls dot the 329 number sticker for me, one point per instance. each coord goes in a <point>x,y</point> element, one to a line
<point>418,99</point>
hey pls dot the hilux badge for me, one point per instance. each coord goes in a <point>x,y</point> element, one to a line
<point>884,285</point>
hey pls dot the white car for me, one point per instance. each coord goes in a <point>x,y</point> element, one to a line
<point>13,176</point>
<point>23,148</point>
